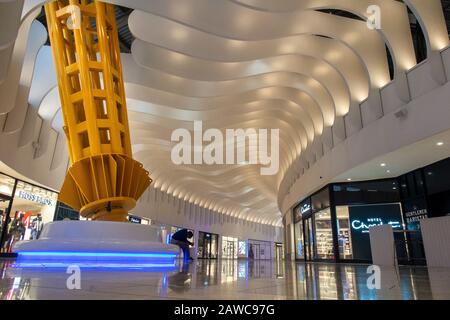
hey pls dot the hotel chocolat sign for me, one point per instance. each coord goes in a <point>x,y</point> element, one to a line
<point>302,210</point>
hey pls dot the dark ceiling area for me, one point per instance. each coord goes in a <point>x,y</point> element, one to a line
<point>446,7</point>
<point>125,36</point>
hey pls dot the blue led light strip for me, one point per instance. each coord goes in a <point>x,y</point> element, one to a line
<point>95,254</point>
<point>157,266</point>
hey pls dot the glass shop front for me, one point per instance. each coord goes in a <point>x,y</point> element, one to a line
<point>259,250</point>
<point>229,247</point>
<point>333,224</point>
<point>208,245</point>
<point>313,228</point>
<point>351,208</point>
<point>24,210</point>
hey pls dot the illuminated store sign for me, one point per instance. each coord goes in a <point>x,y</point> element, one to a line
<point>364,226</point>
<point>134,219</point>
<point>305,208</point>
<point>302,210</point>
<point>35,198</point>
<point>416,215</point>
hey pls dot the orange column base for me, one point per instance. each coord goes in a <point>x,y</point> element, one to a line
<point>118,215</point>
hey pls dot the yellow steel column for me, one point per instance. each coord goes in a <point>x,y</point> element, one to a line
<point>104,181</point>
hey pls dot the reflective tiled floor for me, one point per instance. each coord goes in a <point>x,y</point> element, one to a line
<point>226,279</point>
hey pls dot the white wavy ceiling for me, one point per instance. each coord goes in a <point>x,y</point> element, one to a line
<point>247,64</point>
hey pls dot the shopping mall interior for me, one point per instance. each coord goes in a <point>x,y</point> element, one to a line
<point>292,149</point>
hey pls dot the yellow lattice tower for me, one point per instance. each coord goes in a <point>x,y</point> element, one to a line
<point>103,182</point>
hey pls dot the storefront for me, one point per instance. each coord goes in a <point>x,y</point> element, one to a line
<point>333,224</point>
<point>242,249</point>
<point>229,248</point>
<point>25,209</point>
<point>362,205</point>
<point>320,222</point>
<point>208,245</point>
<point>259,250</point>
<point>303,209</point>
<point>314,228</point>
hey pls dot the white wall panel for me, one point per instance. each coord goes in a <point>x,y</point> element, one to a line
<point>389,98</point>
<point>436,241</point>
<point>420,80</point>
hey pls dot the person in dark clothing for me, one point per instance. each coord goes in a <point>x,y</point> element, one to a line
<point>180,238</point>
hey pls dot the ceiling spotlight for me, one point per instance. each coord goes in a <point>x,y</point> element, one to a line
<point>349,179</point>
<point>388,171</point>
<point>440,144</point>
<point>383,164</point>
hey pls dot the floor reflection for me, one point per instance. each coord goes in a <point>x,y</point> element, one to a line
<point>227,279</point>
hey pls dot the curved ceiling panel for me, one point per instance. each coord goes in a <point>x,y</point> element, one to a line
<point>188,34</point>
<point>250,64</point>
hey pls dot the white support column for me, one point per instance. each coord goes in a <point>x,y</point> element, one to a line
<point>382,245</point>
<point>436,241</point>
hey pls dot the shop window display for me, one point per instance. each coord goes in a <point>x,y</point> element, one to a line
<point>309,238</point>
<point>229,247</point>
<point>344,233</point>
<point>32,208</point>
<point>6,190</point>
<point>4,204</point>
<point>301,215</point>
<point>324,235</point>
<point>299,247</point>
<point>207,245</point>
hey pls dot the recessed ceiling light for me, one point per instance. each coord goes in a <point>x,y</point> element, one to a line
<point>439,144</point>
<point>349,179</point>
<point>388,171</point>
<point>383,164</point>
